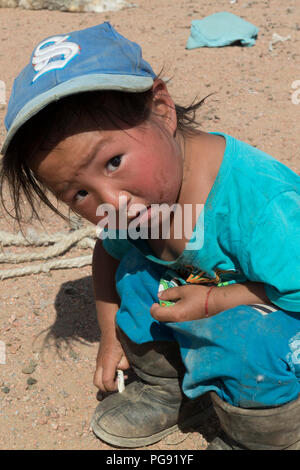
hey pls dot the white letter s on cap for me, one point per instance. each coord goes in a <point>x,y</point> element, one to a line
<point>49,49</point>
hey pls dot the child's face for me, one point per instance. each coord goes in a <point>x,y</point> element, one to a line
<point>92,167</point>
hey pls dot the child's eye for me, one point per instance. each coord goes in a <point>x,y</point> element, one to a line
<point>114,163</point>
<point>81,194</point>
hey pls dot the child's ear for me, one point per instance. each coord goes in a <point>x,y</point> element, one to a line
<point>163,106</point>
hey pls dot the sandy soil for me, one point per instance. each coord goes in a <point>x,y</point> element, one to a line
<point>48,320</point>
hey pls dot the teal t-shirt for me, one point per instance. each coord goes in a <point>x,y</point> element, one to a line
<point>249,228</point>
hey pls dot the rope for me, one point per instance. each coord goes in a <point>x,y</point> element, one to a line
<point>60,243</point>
<point>46,267</point>
<point>40,239</point>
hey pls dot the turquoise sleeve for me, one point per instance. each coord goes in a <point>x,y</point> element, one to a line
<point>273,253</point>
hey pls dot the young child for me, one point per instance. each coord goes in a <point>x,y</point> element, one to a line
<point>89,121</point>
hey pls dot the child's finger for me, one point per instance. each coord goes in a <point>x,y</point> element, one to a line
<point>104,383</point>
<point>173,293</point>
<point>105,379</point>
<point>97,381</point>
<point>123,364</point>
<point>170,313</point>
<point>109,380</point>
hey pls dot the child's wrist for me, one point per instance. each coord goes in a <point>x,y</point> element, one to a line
<point>213,302</point>
<point>109,336</point>
<point>207,305</point>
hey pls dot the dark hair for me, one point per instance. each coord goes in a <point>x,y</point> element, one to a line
<point>51,124</point>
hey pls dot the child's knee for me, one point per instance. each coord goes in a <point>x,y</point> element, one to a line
<point>266,377</point>
<point>243,355</point>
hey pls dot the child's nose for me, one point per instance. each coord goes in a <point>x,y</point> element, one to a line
<point>115,197</point>
<point>114,204</point>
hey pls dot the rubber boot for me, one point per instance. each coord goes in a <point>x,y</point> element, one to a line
<point>257,429</point>
<point>151,407</point>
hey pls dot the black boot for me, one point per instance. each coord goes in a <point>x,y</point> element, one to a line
<point>257,429</point>
<point>151,407</point>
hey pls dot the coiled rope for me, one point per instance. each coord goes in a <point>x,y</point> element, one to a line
<point>60,243</point>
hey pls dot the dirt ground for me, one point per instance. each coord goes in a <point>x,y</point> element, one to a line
<point>48,320</point>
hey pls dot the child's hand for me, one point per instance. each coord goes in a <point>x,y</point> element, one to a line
<point>192,301</point>
<point>110,357</point>
<point>189,304</point>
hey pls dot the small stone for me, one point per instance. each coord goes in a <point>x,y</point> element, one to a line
<point>5,389</point>
<point>30,367</point>
<point>31,381</point>
<point>12,318</point>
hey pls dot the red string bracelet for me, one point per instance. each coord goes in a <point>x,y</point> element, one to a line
<point>206,301</point>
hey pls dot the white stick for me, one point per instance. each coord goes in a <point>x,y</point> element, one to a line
<point>120,379</point>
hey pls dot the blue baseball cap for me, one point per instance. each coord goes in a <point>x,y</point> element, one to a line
<point>96,58</point>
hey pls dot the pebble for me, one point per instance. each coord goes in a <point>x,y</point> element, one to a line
<point>31,381</point>
<point>5,389</point>
<point>30,367</point>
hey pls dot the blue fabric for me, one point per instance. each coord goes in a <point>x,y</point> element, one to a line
<point>248,359</point>
<point>137,282</point>
<point>221,29</point>
<point>249,228</point>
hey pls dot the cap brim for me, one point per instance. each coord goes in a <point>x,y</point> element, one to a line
<point>129,83</point>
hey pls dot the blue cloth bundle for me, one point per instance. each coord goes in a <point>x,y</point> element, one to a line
<point>221,29</point>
